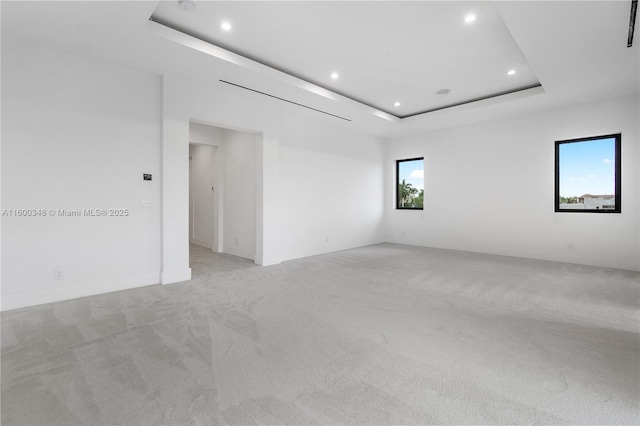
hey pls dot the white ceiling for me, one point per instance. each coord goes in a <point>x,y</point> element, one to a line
<point>573,51</point>
<point>384,52</point>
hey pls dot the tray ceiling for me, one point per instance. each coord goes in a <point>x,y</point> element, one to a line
<point>401,58</point>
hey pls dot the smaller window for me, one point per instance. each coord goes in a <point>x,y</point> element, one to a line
<point>410,184</point>
<point>587,175</point>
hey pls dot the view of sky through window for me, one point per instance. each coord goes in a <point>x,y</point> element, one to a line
<point>410,174</point>
<point>586,175</point>
<point>587,168</point>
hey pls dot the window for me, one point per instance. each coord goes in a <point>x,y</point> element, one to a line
<point>410,184</point>
<point>588,175</point>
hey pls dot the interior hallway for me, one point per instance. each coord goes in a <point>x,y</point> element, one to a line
<point>386,334</point>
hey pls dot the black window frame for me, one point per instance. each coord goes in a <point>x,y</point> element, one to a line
<point>397,183</point>
<point>617,178</point>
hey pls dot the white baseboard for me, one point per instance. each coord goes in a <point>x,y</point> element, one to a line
<point>76,290</point>
<point>239,253</point>
<point>331,248</point>
<point>176,276</point>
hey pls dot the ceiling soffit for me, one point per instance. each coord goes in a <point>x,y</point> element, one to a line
<point>394,59</point>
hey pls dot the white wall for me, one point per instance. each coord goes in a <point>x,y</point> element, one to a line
<point>77,133</point>
<point>489,188</point>
<point>205,135</point>
<point>187,101</point>
<point>211,136</point>
<point>331,184</point>
<point>299,201</point>
<point>1,171</point>
<point>202,200</point>
<point>239,194</point>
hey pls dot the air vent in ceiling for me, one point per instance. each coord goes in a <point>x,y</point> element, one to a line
<point>632,22</point>
<point>284,100</point>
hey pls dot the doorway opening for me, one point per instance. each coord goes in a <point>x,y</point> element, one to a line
<point>222,190</point>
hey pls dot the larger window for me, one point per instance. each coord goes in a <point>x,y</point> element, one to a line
<point>587,175</point>
<point>410,184</point>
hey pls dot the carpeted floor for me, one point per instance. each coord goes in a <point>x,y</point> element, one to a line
<point>386,334</point>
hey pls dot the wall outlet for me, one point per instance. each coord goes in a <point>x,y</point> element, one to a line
<point>58,274</point>
<point>570,246</point>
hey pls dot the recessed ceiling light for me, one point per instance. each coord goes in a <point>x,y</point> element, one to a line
<point>335,75</point>
<point>511,72</point>
<point>443,92</point>
<point>469,18</point>
<point>186,5</point>
<point>225,26</point>
<point>397,104</point>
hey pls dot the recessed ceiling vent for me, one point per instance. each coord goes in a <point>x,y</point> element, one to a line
<point>283,99</point>
<point>632,22</point>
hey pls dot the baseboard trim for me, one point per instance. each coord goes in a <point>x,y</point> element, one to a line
<point>77,290</point>
<point>332,248</point>
<point>176,276</point>
<point>239,253</point>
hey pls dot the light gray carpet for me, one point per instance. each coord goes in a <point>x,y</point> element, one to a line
<point>386,334</point>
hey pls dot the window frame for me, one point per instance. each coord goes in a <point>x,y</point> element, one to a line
<point>397,183</point>
<point>617,177</point>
